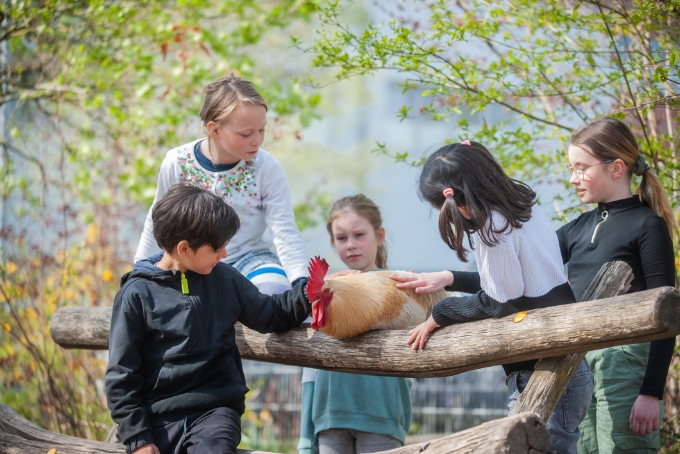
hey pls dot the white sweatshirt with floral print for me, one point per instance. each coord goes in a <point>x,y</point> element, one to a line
<point>257,190</point>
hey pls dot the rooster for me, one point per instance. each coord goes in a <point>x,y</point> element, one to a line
<point>349,305</point>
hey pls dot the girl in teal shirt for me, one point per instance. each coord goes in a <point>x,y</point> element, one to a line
<point>349,413</point>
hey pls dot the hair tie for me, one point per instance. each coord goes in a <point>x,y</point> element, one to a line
<point>448,192</point>
<point>465,142</point>
<point>641,165</point>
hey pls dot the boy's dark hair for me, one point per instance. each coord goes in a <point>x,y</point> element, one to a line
<point>481,186</point>
<point>193,214</point>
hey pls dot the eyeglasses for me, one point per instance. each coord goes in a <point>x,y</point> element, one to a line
<point>581,171</point>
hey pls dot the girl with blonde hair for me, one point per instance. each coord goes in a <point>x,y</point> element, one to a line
<point>230,163</point>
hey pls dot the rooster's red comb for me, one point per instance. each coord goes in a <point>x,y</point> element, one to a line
<point>317,270</point>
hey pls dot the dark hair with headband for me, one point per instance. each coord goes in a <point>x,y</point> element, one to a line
<point>610,139</point>
<point>467,175</point>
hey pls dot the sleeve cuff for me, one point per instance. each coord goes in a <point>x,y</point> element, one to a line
<point>139,440</point>
<point>465,281</point>
<point>299,280</point>
<point>438,316</point>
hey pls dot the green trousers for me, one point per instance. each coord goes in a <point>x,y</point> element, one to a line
<point>618,373</point>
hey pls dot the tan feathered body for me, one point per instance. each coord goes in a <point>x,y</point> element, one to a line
<point>366,301</point>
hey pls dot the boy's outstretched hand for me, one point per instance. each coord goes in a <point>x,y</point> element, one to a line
<point>147,449</point>
<point>419,334</point>
<point>424,282</point>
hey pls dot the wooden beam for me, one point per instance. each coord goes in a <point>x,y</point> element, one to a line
<point>552,375</point>
<point>518,434</point>
<point>19,436</point>
<point>559,330</point>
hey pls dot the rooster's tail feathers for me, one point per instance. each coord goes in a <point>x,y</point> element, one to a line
<point>317,270</point>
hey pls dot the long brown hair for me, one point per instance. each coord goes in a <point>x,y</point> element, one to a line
<point>610,139</point>
<point>367,209</point>
<point>479,185</point>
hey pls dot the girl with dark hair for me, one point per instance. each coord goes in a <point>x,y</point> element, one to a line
<point>518,258</point>
<point>637,229</point>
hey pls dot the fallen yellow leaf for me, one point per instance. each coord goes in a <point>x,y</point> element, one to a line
<point>519,317</point>
<point>52,451</point>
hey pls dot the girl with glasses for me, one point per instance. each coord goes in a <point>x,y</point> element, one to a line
<point>629,380</point>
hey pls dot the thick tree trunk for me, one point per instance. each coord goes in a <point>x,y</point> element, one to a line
<point>559,330</point>
<point>551,375</point>
<point>519,434</point>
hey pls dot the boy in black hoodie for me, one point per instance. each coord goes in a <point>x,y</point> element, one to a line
<point>175,382</point>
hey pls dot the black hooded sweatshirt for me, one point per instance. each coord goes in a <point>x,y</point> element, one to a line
<point>173,354</point>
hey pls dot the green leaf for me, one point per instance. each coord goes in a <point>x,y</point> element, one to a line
<point>660,74</point>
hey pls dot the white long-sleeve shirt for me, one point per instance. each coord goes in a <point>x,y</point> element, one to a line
<point>522,271</point>
<point>257,190</point>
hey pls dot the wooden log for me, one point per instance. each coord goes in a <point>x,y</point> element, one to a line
<point>559,330</point>
<point>552,375</point>
<point>518,434</point>
<point>19,436</point>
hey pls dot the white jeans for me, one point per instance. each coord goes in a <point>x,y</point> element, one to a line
<point>350,441</point>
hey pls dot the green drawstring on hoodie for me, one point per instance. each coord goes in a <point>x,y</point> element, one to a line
<point>185,285</point>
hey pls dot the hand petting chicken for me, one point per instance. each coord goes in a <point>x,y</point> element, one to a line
<point>351,304</point>
<point>423,283</point>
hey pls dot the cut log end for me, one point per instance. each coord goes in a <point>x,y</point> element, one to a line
<point>667,311</point>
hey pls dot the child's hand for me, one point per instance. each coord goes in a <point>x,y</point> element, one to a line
<point>424,282</point>
<point>340,274</point>
<point>147,449</point>
<point>644,416</point>
<point>418,335</point>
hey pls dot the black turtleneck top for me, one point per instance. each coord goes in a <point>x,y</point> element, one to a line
<point>631,233</point>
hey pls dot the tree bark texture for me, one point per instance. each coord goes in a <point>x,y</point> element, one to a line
<point>559,330</point>
<point>19,436</point>
<point>518,434</point>
<point>552,375</point>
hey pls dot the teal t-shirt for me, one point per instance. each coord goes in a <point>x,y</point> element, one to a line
<point>337,400</point>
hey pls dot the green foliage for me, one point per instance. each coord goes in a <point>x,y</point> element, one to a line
<point>120,81</point>
<point>312,209</point>
<point>540,69</point>
<point>52,387</point>
<point>259,429</point>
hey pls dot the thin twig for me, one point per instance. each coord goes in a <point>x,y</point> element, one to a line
<point>625,76</point>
